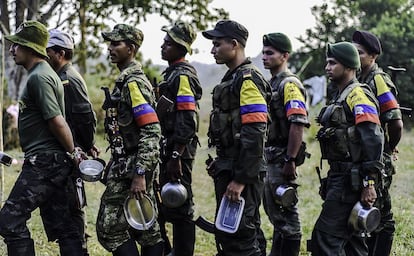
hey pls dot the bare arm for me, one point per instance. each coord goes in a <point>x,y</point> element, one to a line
<point>60,129</point>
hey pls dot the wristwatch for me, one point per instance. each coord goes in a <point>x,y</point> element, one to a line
<point>139,171</point>
<point>175,155</point>
<point>289,159</point>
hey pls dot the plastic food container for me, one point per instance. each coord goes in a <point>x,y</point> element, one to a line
<point>229,215</point>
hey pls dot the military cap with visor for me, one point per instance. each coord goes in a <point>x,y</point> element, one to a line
<point>229,29</point>
<point>182,33</point>
<point>368,40</point>
<point>31,34</point>
<point>61,39</point>
<point>345,53</point>
<point>279,41</point>
<point>124,32</point>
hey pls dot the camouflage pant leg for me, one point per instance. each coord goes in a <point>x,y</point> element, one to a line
<point>112,227</point>
<point>39,185</point>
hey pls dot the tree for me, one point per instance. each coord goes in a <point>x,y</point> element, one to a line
<point>390,20</point>
<point>89,18</point>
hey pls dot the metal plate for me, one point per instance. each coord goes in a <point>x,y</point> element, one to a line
<point>139,213</point>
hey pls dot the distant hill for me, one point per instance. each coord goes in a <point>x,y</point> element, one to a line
<point>211,74</point>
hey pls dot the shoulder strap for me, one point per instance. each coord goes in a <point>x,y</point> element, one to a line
<point>346,92</point>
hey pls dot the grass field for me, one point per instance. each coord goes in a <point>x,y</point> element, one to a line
<point>402,192</point>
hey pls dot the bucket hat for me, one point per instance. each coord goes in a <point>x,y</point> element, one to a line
<point>31,34</point>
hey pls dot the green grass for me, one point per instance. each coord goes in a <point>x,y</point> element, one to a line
<point>402,192</point>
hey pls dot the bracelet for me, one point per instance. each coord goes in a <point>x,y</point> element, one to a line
<point>74,154</point>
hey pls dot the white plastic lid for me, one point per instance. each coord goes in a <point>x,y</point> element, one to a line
<point>229,215</point>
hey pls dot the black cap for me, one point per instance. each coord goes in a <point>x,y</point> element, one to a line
<point>368,40</point>
<point>230,29</point>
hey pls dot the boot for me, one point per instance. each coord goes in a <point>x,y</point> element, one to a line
<point>276,244</point>
<point>22,247</point>
<point>129,248</point>
<point>70,247</point>
<point>290,247</point>
<point>154,250</point>
<point>380,244</point>
<point>183,238</point>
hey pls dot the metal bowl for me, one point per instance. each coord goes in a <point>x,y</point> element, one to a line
<point>364,219</point>
<point>286,196</point>
<point>173,194</point>
<point>91,170</point>
<point>139,213</point>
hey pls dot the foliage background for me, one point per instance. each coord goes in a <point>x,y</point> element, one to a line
<point>336,20</point>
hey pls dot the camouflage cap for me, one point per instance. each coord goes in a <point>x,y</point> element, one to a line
<point>345,53</point>
<point>31,34</point>
<point>230,29</point>
<point>182,33</point>
<point>278,41</point>
<point>123,32</point>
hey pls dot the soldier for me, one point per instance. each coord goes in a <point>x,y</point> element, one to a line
<point>369,48</point>
<point>238,129</point>
<point>179,130</point>
<point>134,141</point>
<point>284,147</point>
<point>79,116</point>
<point>49,152</point>
<point>351,140</point>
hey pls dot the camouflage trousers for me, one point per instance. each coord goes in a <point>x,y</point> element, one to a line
<point>112,227</point>
<point>41,184</point>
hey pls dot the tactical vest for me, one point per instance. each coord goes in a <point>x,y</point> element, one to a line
<point>370,81</point>
<point>225,119</point>
<point>278,130</point>
<point>337,138</point>
<point>127,126</point>
<point>168,122</point>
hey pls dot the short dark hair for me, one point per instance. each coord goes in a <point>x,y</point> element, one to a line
<point>68,52</point>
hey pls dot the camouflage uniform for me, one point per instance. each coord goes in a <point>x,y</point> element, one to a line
<point>47,167</point>
<point>139,128</point>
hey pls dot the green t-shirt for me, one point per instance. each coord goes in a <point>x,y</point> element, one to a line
<point>41,99</point>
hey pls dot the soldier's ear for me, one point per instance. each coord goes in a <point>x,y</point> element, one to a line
<point>133,48</point>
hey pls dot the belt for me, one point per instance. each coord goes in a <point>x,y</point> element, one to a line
<point>337,166</point>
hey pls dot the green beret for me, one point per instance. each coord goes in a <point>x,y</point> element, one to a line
<point>345,53</point>
<point>182,33</point>
<point>278,41</point>
<point>123,32</point>
<point>31,34</point>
